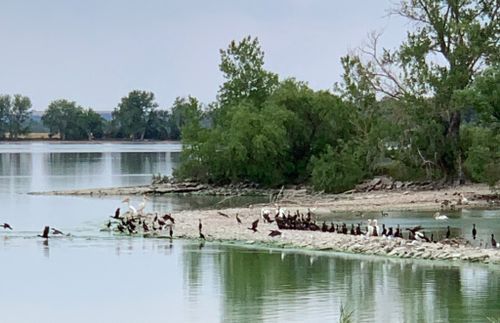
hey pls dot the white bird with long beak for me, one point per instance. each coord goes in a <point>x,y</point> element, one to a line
<point>131,208</point>
<point>369,232</point>
<point>142,205</point>
<point>376,228</point>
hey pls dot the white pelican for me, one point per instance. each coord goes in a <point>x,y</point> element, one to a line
<point>142,205</point>
<point>369,232</point>
<point>375,227</point>
<point>131,208</point>
<point>438,216</point>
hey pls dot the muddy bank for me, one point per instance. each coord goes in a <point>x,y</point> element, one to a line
<point>472,196</point>
<point>218,227</point>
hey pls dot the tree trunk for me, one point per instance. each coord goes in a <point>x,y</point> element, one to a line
<point>450,159</point>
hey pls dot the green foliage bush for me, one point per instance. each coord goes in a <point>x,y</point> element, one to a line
<point>336,172</point>
<point>482,154</point>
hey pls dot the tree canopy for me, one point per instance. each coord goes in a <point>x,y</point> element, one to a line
<point>15,114</point>
<point>133,114</point>
<point>72,122</point>
<point>451,43</point>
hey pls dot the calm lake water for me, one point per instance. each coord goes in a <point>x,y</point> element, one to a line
<point>95,277</point>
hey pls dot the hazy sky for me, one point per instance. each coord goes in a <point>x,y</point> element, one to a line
<point>96,51</point>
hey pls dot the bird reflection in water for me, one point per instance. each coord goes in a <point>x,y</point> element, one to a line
<point>46,250</point>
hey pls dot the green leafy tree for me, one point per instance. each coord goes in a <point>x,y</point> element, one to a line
<point>15,115</point>
<point>93,124</point>
<point>253,148</point>
<point>451,42</point>
<point>19,116</point>
<point>481,137</point>
<point>242,66</point>
<point>72,122</point>
<point>185,112</point>
<point>5,106</point>
<point>133,114</point>
<point>157,126</point>
<point>336,171</point>
<point>317,119</point>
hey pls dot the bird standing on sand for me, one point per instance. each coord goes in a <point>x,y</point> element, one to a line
<point>238,219</point>
<point>6,226</point>
<point>254,225</point>
<point>200,226</point>
<point>448,232</point>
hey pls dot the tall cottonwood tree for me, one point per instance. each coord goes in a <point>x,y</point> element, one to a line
<point>452,41</point>
<point>242,66</point>
<point>133,114</point>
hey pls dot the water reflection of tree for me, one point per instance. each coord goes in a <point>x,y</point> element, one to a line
<point>73,163</point>
<point>257,285</point>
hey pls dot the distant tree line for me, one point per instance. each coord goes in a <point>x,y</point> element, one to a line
<point>137,117</point>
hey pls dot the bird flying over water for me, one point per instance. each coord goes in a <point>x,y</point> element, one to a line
<point>55,231</point>
<point>45,233</point>
<point>6,226</point>
<point>117,214</point>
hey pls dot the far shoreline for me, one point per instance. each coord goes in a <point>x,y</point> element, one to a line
<point>479,196</point>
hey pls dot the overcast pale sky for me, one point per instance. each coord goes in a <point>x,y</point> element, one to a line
<point>96,51</point>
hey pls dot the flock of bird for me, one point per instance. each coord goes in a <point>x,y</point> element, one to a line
<point>135,220</point>
<point>305,223</point>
